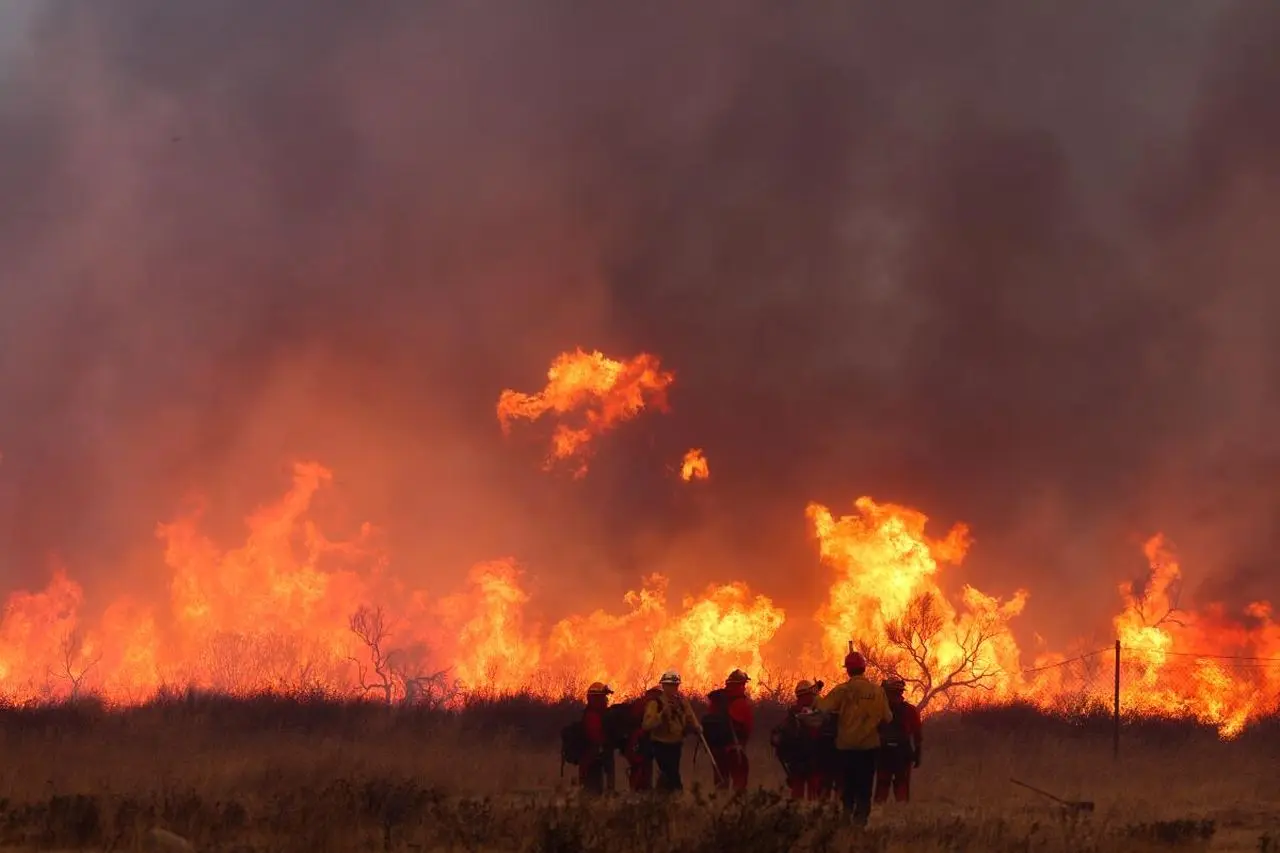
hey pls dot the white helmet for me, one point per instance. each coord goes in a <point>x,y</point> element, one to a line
<point>670,677</point>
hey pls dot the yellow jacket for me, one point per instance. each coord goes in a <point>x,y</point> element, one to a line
<point>861,707</point>
<point>666,721</point>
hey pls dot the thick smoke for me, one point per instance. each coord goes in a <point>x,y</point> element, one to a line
<point>1006,263</point>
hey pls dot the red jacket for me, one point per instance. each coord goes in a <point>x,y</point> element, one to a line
<point>910,720</point>
<point>593,722</point>
<point>742,714</point>
<point>907,716</point>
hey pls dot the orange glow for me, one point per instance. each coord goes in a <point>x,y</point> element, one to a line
<point>291,608</point>
<point>694,466</point>
<point>886,599</point>
<point>607,392</point>
<point>1194,663</point>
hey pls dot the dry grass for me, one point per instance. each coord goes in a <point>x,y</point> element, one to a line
<point>323,776</point>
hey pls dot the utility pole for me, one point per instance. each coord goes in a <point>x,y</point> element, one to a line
<point>1115,733</point>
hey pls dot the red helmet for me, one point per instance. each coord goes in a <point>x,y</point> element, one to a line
<point>853,660</point>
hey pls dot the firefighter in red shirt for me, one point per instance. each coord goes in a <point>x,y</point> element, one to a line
<point>638,753</point>
<point>733,719</point>
<point>899,745</point>
<point>592,770</point>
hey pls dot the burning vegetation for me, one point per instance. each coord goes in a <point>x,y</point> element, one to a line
<point>293,610</point>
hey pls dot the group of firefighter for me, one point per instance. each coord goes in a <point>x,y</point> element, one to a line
<point>859,741</point>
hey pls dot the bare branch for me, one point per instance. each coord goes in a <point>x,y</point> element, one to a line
<point>370,627</point>
<point>75,664</point>
<point>912,650</point>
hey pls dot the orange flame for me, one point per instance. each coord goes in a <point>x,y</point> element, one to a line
<point>276,613</point>
<point>694,466</point>
<point>1194,663</point>
<point>608,391</point>
<point>886,599</point>
<point>723,628</point>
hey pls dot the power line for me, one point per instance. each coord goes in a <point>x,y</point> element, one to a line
<point>1084,656</point>
<point>1199,655</point>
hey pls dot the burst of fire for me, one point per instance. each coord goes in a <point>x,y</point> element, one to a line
<point>1199,663</point>
<point>885,598</point>
<point>279,612</point>
<point>607,391</point>
<point>694,466</point>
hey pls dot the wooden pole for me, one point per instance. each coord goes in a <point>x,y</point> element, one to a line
<point>1115,732</point>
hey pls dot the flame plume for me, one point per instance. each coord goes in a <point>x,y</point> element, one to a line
<point>1194,663</point>
<point>886,599</point>
<point>694,466</point>
<point>292,609</point>
<point>606,390</point>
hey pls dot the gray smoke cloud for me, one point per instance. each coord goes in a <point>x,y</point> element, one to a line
<point>1007,264</point>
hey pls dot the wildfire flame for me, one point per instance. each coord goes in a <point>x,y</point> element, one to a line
<point>276,614</point>
<point>1195,663</point>
<point>293,609</point>
<point>606,390</point>
<point>694,466</point>
<point>886,599</point>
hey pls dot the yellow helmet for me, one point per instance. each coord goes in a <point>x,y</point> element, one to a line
<point>737,677</point>
<point>598,688</point>
<point>803,687</point>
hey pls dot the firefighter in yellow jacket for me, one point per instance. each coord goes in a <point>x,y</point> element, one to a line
<point>860,707</point>
<point>667,719</point>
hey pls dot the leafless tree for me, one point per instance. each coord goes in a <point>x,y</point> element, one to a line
<point>370,627</point>
<point>418,684</point>
<point>1154,609</point>
<point>398,671</point>
<point>909,649</point>
<point>295,665</point>
<point>75,662</point>
<point>434,690</point>
<point>777,685</point>
<point>231,661</point>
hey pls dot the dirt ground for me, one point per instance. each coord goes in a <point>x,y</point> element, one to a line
<point>343,779</point>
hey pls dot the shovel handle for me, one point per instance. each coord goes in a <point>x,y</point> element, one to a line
<point>1040,792</point>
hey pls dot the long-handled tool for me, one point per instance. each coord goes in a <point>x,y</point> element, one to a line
<point>715,768</point>
<point>688,709</point>
<point>1074,805</point>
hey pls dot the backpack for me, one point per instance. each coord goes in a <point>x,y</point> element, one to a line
<point>894,733</point>
<point>716,727</point>
<point>620,722</point>
<point>828,730</point>
<point>791,743</point>
<point>573,743</point>
<point>634,722</point>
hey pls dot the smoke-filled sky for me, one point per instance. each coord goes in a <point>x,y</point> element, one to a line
<point>1009,263</point>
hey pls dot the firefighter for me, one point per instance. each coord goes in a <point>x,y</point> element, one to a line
<point>593,770</point>
<point>638,751</point>
<point>899,745</point>
<point>797,743</point>
<point>859,707</point>
<point>667,719</point>
<point>734,720</point>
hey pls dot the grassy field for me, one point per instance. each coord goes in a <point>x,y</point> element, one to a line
<point>290,775</point>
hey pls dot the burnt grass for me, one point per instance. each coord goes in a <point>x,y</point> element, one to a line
<point>317,773</point>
